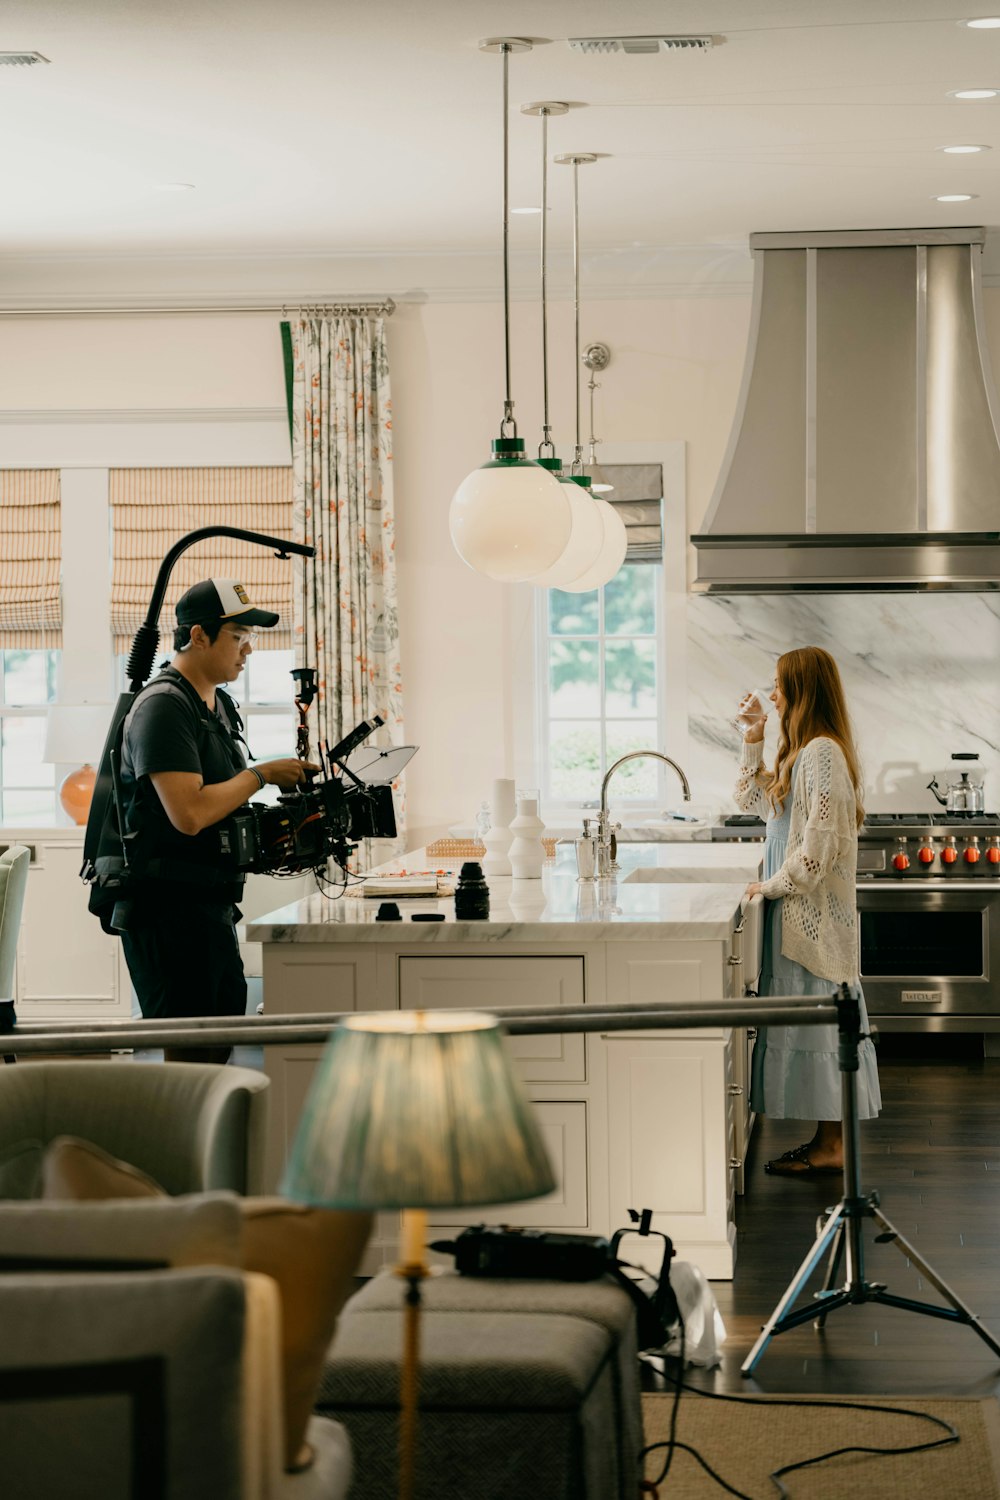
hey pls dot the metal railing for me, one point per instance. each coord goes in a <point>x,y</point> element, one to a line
<point>38,1037</point>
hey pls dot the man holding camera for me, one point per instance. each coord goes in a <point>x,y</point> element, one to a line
<point>183,772</point>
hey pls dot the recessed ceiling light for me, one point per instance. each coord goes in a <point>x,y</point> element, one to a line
<point>526,210</point>
<point>973,93</point>
<point>983,23</point>
<point>953,197</point>
<point>175,187</point>
<point>963,150</point>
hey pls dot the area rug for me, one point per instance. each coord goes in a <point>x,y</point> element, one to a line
<point>744,1442</point>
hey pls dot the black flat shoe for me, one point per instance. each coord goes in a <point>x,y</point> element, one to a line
<point>798,1163</point>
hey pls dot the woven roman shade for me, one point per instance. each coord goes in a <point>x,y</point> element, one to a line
<point>30,553</point>
<point>638,498</point>
<point>151,509</point>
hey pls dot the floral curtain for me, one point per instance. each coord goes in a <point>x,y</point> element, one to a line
<point>346,617</point>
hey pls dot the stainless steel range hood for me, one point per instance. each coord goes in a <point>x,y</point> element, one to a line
<point>865,450</point>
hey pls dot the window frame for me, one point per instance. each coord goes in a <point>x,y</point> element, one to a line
<point>21,711</point>
<point>544,720</point>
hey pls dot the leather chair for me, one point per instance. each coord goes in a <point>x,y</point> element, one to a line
<point>192,1127</point>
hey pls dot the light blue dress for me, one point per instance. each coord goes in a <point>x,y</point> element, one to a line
<point>795,1075</point>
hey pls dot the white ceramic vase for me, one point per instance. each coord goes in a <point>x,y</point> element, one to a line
<point>526,852</point>
<point>499,837</point>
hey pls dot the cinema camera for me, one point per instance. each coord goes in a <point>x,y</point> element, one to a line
<point>309,825</point>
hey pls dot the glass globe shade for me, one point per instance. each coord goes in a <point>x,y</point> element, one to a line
<point>510,520</point>
<point>611,556</point>
<point>584,545</point>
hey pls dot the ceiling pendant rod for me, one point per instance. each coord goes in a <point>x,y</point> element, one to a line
<point>578,449</point>
<point>576,161</point>
<point>545,110</point>
<point>508,405</point>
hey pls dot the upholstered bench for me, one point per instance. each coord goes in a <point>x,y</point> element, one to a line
<point>527,1388</point>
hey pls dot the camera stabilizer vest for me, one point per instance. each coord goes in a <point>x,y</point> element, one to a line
<point>117,859</point>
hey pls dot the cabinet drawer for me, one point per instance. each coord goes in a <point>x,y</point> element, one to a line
<point>488,983</point>
<point>564,1129</point>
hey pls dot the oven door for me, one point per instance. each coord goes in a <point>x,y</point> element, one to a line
<point>925,949</point>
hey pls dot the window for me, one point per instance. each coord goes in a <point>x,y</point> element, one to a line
<point>27,783</point>
<point>601,682</point>
<point>264,694</point>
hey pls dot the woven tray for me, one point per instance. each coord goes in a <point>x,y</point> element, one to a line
<point>473,849</point>
<point>456,849</point>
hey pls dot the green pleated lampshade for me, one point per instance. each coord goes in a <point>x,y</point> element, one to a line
<point>417,1109</point>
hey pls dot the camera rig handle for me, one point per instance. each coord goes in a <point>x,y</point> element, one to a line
<point>305,691</point>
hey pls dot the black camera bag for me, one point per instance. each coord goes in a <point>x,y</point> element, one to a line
<point>496,1250</point>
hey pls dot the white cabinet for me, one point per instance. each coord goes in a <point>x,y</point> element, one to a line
<point>632,1119</point>
<point>668,1138</point>
<point>447,982</point>
<point>671,1110</point>
<point>67,968</point>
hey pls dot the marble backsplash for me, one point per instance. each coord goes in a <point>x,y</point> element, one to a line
<point>921,673</point>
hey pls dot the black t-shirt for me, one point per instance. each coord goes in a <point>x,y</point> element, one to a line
<point>171,728</point>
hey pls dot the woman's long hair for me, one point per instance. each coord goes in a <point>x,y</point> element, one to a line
<point>814,705</point>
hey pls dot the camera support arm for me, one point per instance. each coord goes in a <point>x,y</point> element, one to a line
<point>147,637</point>
<point>140,664</point>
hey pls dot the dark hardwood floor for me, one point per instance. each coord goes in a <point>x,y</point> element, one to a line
<point>934,1157</point>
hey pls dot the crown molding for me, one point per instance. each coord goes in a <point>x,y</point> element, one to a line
<point>144,416</point>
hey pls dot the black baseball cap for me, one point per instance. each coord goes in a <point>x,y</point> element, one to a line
<point>221,599</point>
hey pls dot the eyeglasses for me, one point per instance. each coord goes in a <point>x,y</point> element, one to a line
<point>243,637</point>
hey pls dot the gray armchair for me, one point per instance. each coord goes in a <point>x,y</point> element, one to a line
<point>191,1126</point>
<point>14,864</point>
<point>135,1383</point>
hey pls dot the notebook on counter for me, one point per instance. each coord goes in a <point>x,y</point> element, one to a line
<point>402,885</point>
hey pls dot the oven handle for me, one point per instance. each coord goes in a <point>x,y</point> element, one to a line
<point>928,885</point>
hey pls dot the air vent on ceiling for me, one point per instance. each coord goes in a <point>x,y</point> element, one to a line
<point>640,44</point>
<point>21,59</point>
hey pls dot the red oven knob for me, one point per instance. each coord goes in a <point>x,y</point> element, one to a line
<point>949,853</point>
<point>972,852</point>
<point>901,861</point>
<point>993,852</point>
<point>925,854</point>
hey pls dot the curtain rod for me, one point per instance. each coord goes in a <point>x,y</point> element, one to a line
<point>384,308</point>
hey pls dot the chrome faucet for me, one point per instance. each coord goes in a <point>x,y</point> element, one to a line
<point>605,862</point>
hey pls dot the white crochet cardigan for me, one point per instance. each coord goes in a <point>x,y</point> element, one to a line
<point>818,878</point>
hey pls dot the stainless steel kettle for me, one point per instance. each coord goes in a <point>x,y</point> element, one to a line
<point>964,792</point>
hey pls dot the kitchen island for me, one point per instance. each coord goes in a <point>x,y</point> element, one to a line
<point>632,1119</point>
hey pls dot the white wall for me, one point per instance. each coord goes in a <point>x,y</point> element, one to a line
<point>93,392</point>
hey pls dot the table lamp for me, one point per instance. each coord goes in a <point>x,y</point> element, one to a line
<point>74,736</point>
<point>416,1110</point>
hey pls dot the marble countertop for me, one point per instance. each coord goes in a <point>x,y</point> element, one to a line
<point>690,891</point>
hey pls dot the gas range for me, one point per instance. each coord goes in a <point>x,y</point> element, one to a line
<point>925,846</point>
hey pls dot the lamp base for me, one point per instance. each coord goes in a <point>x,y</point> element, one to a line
<point>76,793</point>
<point>412,1268</point>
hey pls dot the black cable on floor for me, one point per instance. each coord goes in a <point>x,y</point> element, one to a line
<point>671,1444</point>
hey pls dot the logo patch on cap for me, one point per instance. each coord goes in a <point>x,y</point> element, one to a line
<point>241,593</point>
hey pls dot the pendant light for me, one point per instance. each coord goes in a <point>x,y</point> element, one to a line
<point>510,519</point>
<point>614,541</point>
<point>587,535</point>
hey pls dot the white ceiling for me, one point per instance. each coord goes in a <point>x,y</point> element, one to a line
<point>367,136</point>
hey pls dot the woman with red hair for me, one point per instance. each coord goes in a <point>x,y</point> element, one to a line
<point>811,801</point>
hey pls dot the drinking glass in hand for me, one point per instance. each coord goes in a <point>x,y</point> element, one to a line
<point>751,714</point>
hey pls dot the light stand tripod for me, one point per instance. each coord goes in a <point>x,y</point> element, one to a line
<point>842,1231</point>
